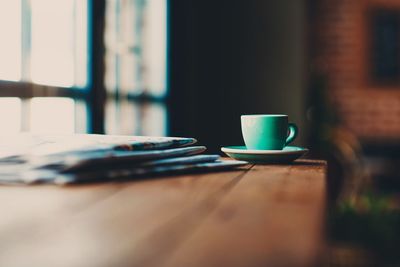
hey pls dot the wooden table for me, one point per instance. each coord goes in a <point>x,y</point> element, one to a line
<point>267,215</point>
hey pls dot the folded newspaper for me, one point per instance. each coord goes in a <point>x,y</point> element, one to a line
<point>80,158</point>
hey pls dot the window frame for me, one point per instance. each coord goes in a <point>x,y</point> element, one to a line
<point>92,93</point>
<point>95,94</point>
<point>141,97</point>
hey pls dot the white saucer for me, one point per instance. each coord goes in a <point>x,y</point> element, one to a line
<point>286,155</point>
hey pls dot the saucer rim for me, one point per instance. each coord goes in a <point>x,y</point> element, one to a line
<point>230,149</point>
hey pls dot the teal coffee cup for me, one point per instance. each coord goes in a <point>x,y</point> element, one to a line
<point>267,131</point>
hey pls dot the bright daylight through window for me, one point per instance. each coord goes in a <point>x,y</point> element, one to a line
<point>136,58</point>
<point>46,44</point>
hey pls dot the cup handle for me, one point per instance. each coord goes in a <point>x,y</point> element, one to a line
<point>293,130</point>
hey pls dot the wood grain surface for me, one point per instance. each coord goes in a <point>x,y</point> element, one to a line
<point>260,215</point>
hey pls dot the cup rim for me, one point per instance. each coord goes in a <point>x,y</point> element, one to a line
<point>264,115</point>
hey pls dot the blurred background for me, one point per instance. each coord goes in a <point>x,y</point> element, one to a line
<point>192,67</point>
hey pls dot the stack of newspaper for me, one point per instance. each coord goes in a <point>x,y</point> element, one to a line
<point>66,159</point>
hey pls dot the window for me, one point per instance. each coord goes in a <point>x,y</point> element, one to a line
<point>48,59</point>
<point>44,42</point>
<point>44,52</point>
<point>136,40</point>
<point>385,46</point>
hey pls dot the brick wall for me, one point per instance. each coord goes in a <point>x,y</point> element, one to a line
<point>341,53</point>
